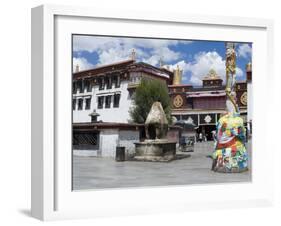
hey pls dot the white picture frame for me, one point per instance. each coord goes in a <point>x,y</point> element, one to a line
<point>52,197</point>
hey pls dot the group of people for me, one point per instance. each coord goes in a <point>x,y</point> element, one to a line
<point>204,137</point>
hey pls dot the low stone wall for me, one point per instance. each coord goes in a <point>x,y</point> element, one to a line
<point>128,139</point>
<point>109,139</point>
<point>86,153</point>
<point>108,142</point>
<point>124,135</point>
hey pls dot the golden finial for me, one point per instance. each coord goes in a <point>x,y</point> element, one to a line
<point>161,63</point>
<point>212,73</point>
<point>177,76</point>
<point>133,55</point>
<point>77,68</point>
<point>249,67</point>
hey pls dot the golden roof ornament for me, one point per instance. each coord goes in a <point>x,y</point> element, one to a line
<point>249,67</point>
<point>77,68</point>
<point>212,74</point>
<point>133,55</point>
<point>177,76</point>
<point>161,62</point>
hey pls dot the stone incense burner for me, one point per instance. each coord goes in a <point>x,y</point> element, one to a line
<point>156,147</point>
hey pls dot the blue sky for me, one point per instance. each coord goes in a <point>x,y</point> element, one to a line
<point>194,57</point>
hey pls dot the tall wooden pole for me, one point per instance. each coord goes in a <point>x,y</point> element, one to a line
<point>230,88</point>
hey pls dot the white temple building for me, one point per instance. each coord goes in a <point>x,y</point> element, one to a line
<point>108,90</point>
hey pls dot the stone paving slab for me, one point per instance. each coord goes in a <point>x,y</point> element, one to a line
<point>99,173</point>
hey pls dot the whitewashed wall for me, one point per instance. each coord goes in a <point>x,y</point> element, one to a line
<point>120,114</point>
<point>127,139</point>
<point>109,139</point>
<point>108,142</point>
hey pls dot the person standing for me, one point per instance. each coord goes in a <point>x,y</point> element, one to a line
<point>200,137</point>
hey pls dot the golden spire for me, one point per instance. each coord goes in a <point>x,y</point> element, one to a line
<point>212,73</point>
<point>161,62</point>
<point>77,68</point>
<point>177,76</point>
<point>249,67</point>
<point>133,55</point>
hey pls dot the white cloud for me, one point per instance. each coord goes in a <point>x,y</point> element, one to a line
<point>239,72</point>
<point>110,50</point>
<point>153,60</point>
<point>203,62</point>
<point>91,44</point>
<point>200,67</point>
<point>111,55</point>
<point>94,43</point>
<point>118,53</point>
<point>244,50</point>
<point>83,64</point>
<point>182,65</point>
<point>163,53</point>
<point>166,53</point>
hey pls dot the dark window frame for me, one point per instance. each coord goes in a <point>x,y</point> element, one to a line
<point>80,101</point>
<point>86,140</point>
<point>108,82</point>
<point>101,83</point>
<point>88,85</point>
<point>116,102</point>
<point>87,103</point>
<point>108,104</point>
<point>74,101</point>
<point>74,87</point>
<point>114,79</point>
<point>100,102</point>
<point>80,86</point>
<point>117,81</point>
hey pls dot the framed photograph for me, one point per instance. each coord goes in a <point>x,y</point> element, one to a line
<point>136,112</point>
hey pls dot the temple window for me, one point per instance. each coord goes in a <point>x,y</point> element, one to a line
<point>100,102</point>
<point>108,82</point>
<point>88,103</point>
<point>114,80</point>
<point>80,86</point>
<point>107,101</point>
<point>116,100</point>
<point>80,104</point>
<point>74,87</point>
<point>101,83</point>
<point>117,81</point>
<point>88,85</point>
<point>73,104</point>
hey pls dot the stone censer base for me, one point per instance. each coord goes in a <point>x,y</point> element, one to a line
<point>159,150</point>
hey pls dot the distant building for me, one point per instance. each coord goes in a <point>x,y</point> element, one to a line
<point>204,105</point>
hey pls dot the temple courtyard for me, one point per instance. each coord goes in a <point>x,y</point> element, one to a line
<point>99,173</point>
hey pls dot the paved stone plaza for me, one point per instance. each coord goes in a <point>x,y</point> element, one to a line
<point>98,173</point>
